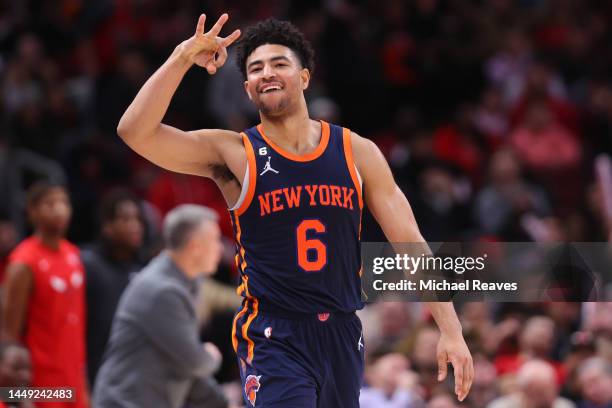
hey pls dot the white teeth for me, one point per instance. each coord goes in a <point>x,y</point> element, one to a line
<point>271,88</point>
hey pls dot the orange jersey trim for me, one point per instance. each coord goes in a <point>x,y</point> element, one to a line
<point>235,323</point>
<point>243,265</point>
<point>240,289</point>
<point>245,334</point>
<point>250,154</point>
<point>296,157</point>
<point>348,155</point>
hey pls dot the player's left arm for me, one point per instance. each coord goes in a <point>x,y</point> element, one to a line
<point>391,209</point>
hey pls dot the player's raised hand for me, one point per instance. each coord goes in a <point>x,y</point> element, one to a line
<point>452,349</point>
<point>208,49</point>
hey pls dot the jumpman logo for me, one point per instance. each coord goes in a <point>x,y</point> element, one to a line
<point>268,167</point>
<point>360,342</point>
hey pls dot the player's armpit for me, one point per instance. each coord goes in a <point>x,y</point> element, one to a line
<point>384,199</point>
<point>17,288</point>
<point>194,152</point>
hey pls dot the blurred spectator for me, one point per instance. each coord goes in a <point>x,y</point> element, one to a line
<point>551,151</point>
<point>598,320</point>
<point>543,143</point>
<point>535,342</point>
<point>507,195</point>
<point>20,86</point>
<point>537,387</point>
<point>510,63</point>
<point>154,357</point>
<point>441,203</point>
<point>109,266</point>
<point>391,384</point>
<point>442,401</point>
<point>595,379</point>
<point>15,370</point>
<point>491,118</point>
<point>477,319</point>
<point>543,85</point>
<point>582,347</point>
<point>385,323</point>
<point>566,316</point>
<point>484,387</point>
<point>420,346</point>
<point>44,303</point>
<point>460,143</point>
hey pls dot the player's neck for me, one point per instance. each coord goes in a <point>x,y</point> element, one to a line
<point>51,241</point>
<point>297,132</point>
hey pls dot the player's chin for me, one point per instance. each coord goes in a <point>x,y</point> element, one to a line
<point>273,108</point>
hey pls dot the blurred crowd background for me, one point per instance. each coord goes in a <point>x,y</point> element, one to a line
<point>491,113</point>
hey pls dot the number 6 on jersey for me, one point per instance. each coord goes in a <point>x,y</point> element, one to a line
<point>319,260</point>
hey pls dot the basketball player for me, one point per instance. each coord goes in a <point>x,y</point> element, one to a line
<point>44,306</point>
<point>295,188</point>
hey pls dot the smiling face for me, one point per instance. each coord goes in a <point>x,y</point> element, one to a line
<point>275,79</point>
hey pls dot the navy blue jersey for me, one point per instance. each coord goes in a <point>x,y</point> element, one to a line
<point>297,226</point>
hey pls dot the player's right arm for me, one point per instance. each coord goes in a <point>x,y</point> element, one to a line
<point>140,126</point>
<point>17,289</point>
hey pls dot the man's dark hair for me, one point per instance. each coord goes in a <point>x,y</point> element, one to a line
<point>273,31</point>
<point>39,190</point>
<point>111,202</point>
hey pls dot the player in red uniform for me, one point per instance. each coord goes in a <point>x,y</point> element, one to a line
<point>44,306</point>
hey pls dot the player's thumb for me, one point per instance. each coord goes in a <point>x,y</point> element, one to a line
<point>442,366</point>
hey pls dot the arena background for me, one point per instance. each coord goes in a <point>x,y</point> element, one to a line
<point>488,111</point>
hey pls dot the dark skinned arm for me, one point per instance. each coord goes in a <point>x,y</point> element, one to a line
<point>17,289</point>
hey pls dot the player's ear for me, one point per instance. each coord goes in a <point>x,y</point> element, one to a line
<point>246,88</point>
<point>305,75</point>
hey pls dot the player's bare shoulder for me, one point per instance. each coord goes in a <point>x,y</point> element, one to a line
<point>365,152</point>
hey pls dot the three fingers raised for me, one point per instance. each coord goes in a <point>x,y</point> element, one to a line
<point>216,29</point>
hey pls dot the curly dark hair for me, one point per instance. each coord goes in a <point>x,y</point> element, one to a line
<point>273,31</point>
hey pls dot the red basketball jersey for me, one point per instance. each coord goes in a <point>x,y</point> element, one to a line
<point>55,323</point>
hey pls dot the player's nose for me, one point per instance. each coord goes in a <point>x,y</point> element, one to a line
<point>268,71</point>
